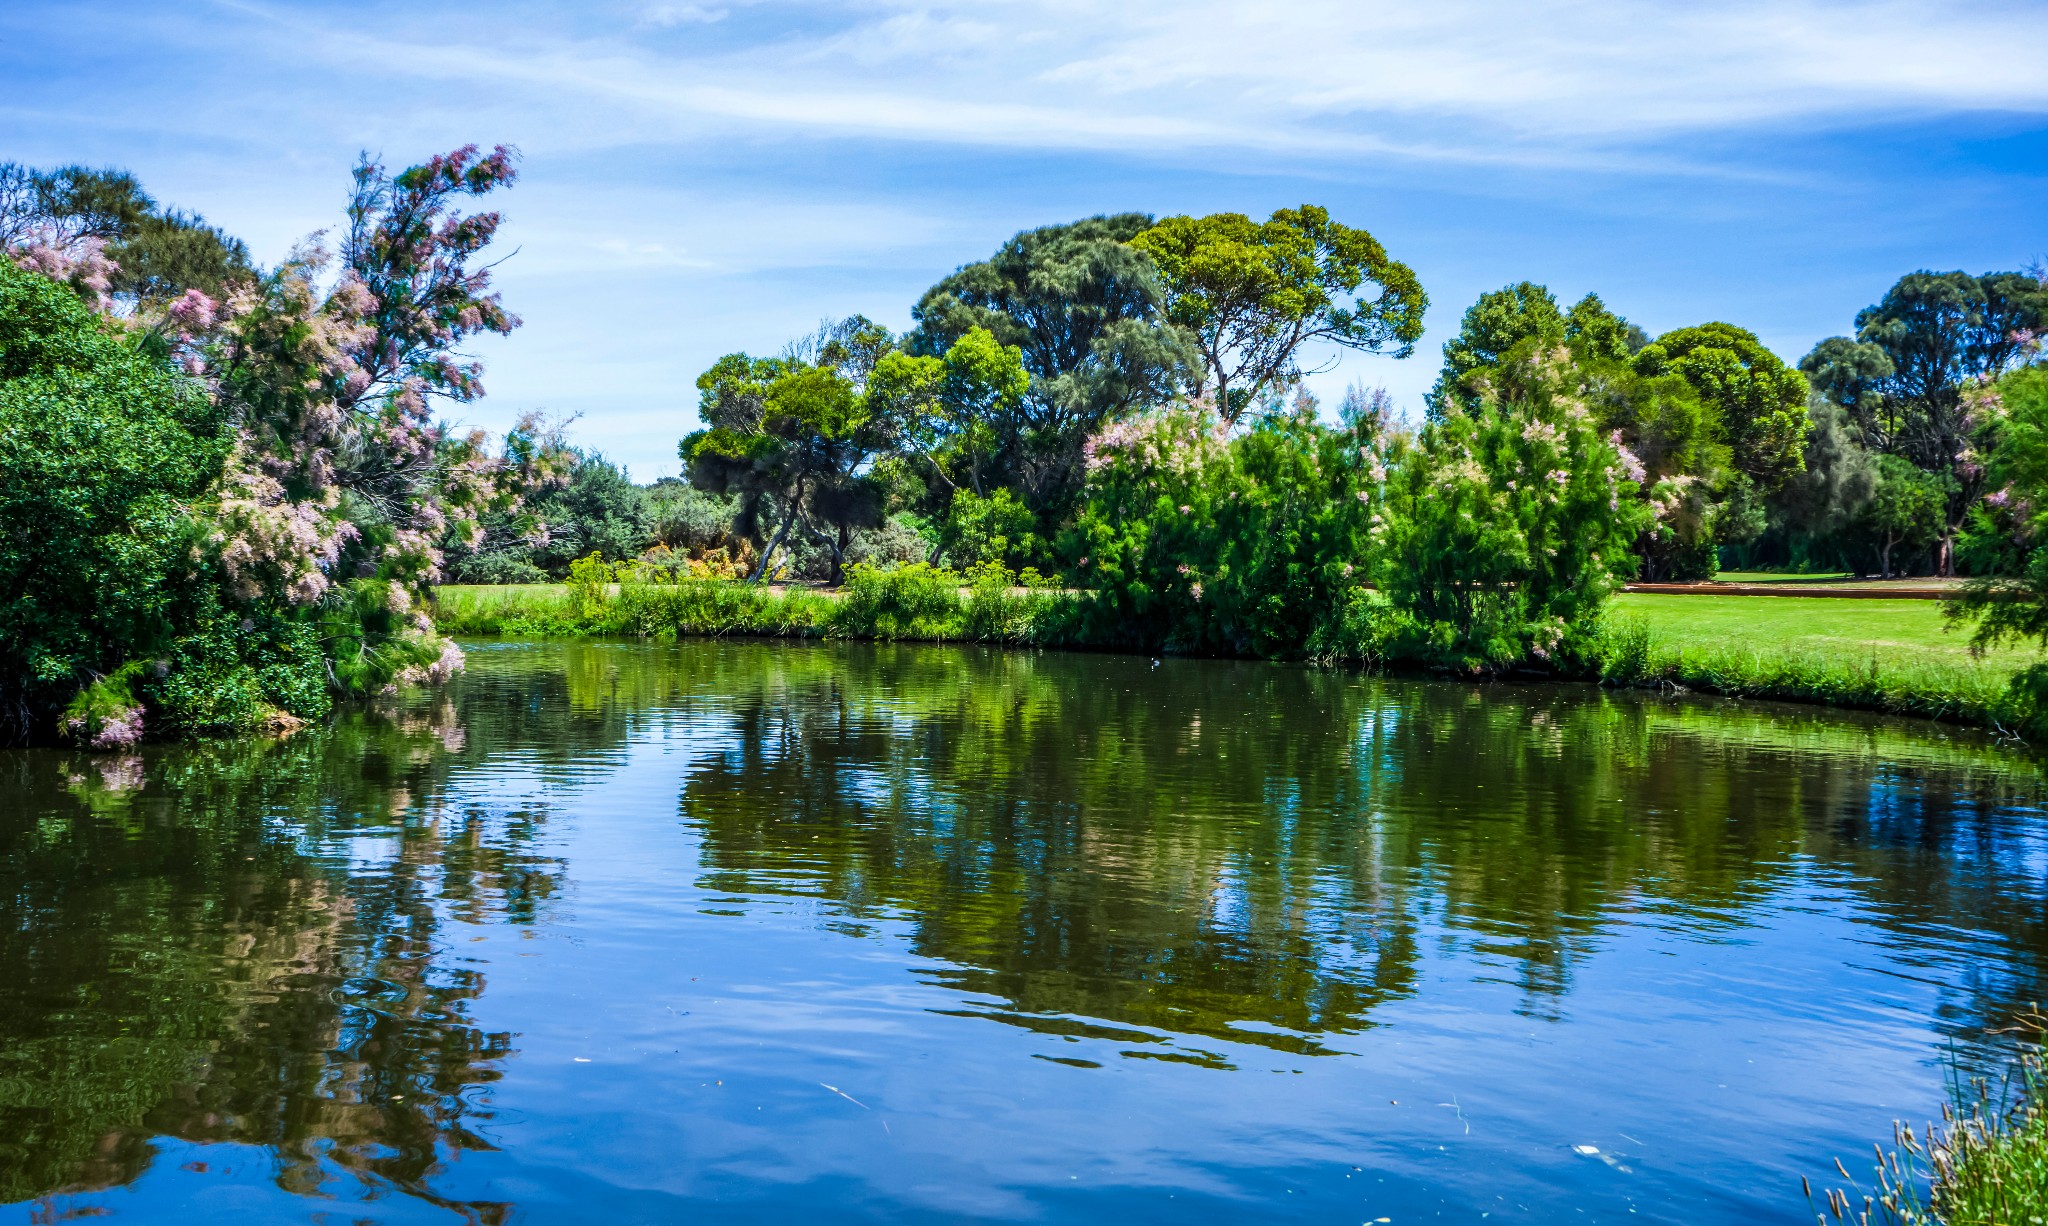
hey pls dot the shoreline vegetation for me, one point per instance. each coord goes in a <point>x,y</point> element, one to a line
<point>1642,642</point>
<point>229,494</point>
<point>1984,1163</point>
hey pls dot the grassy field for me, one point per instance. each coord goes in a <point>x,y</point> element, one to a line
<point>1897,656</point>
<point>1902,631</point>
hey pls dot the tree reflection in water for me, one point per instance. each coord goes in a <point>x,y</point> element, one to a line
<point>263,943</point>
<point>205,943</point>
<point>1254,852</point>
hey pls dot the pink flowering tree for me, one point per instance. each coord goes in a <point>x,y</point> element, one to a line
<point>318,539</point>
<point>1255,542</point>
<point>346,486</point>
<point>1507,528</point>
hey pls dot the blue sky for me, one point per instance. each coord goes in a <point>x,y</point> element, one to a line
<point>701,178</point>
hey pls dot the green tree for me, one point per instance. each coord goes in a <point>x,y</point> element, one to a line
<point>1500,321</point>
<point>1813,516</point>
<point>1905,508</point>
<point>779,431</point>
<point>1757,402</point>
<point>1506,528</point>
<point>797,437</point>
<point>157,253</point>
<point>1251,294</point>
<point>1086,312</point>
<point>108,464</point>
<point>1657,420</point>
<point>1524,316</point>
<point>597,510</point>
<point>1196,538</point>
<point>1904,377</point>
<point>945,419</point>
<point>2014,607</point>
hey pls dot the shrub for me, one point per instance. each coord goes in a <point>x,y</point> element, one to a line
<point>1198,540</point>
<point>917,601</point>
<point>103,454</point>
<point>979,530</point>
<point>1506,527</point>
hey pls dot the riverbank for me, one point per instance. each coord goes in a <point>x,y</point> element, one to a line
<point>1985,1161</point>
<point>1892,656</point>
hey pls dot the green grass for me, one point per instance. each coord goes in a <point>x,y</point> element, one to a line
<point>911,602</point>
<point>1985,1163</point>
<point>1894,631</point>
<point>1772,576</point>
<point>1896,656</point>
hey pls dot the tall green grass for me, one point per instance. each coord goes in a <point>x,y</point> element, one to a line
<point>1984,1164</point>
<point>917,602</point>
<point>1629,651</point>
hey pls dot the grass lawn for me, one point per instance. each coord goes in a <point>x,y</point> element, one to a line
<point>1904,632</point>
<point>497,593</point>
<point>1771,576</point>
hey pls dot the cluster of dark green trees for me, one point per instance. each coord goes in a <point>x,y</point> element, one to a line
<point>1116,402</point>
<point>969,433</point>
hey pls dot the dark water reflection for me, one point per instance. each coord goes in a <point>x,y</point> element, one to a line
<point>742,932</point>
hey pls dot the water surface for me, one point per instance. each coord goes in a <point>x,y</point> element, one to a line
<point>756,932</point>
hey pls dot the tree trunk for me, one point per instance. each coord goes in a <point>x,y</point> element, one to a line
<point>788,518</point>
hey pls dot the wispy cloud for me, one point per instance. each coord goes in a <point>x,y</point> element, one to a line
<point>1540,82</point>
<point>720,174</point>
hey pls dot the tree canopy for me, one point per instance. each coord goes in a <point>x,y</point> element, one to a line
<point>1757,403</point>
<point>1086,312</point>
<point>1903,379</point>
<point>1251,294</point>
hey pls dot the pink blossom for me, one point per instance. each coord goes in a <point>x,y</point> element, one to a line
<point>120,730</point>
<point>194,312</point>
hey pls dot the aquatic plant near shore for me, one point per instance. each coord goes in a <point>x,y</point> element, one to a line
<point>1984,1164</point>
<point>106,715</point>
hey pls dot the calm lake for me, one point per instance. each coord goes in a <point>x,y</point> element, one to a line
<point>736,932</point>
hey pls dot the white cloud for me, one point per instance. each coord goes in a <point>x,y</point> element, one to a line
<point>663,16</point>
<point>1533,82</point>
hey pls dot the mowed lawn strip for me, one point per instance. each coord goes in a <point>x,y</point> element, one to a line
<point>1901,632</point>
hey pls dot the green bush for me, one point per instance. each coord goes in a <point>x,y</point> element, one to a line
<point>1506,527</point>
<point>1195,539</point>
<point>916,601</point>
<point>103,452</point>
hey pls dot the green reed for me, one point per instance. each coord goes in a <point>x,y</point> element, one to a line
<point>1984,1164</point>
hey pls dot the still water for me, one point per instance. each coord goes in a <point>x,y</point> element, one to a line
<point>724,932</point>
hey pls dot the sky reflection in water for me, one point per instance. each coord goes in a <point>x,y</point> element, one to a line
<point>742,932</point>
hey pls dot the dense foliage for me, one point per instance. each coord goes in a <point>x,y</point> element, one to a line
<point>226,499</point>
<point>229,497</point>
